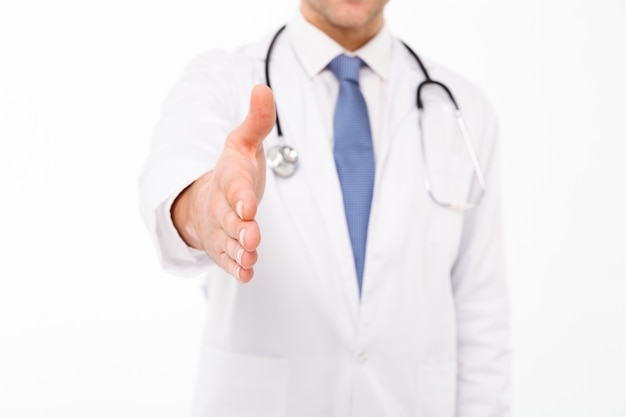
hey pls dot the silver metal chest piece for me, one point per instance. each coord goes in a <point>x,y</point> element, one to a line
<point>283,159</point>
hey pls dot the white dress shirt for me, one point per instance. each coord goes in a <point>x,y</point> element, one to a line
<point>372,78</point>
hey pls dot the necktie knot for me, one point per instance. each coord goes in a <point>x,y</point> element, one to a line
<point>346,68</point>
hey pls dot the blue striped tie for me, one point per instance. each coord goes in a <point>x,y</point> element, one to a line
<point>354,155</point>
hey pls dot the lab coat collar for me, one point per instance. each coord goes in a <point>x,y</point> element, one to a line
<point>315,49</point>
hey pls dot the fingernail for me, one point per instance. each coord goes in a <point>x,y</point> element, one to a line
<point>242,234</point>
<point>239,209</point>
<point>239,255</point>
<point>237,273</point>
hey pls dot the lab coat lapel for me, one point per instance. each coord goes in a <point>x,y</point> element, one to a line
<point>314,190</point>
<point>404,77</point>
<point>400,210</point>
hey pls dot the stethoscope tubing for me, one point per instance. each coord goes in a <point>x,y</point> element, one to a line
<point>283,159</point>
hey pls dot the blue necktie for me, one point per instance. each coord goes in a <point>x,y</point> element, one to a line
<point>354,154</point>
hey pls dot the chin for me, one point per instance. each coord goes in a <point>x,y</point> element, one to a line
<point>345,14</point>
<point>352,16</point>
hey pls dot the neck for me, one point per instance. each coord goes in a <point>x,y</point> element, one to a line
<point>350,38</point>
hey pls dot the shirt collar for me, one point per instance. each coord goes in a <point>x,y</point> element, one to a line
<point>315,49</point>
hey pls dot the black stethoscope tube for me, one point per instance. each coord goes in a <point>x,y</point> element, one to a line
<point>283,159</point>
<point>267,73</point>
<point>419,103</point>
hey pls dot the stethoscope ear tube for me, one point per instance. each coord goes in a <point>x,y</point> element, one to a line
<point>420,104</point>
<point>427,80</point>
<point>267,73</point>
<point>282,158</point>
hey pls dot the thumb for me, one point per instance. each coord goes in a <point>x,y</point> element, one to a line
<point>260,120</point>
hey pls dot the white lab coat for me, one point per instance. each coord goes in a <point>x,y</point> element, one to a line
<point>429,335</point>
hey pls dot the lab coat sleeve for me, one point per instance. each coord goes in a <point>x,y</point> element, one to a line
<point>481,298</point>
<point>196,117</point>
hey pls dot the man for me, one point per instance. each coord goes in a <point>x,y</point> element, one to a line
<point>404,317</point>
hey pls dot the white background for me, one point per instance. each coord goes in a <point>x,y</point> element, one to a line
<point>89,326</point>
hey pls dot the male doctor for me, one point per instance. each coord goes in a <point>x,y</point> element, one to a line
<point>343,290</point>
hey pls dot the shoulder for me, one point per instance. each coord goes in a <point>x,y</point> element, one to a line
<point>464,90</point>
<point>221,67</point>
<point>476,108</point>
<point>221,80</point>
<point>229,70</point>
<point>240,63</point>
<point>469,96</point>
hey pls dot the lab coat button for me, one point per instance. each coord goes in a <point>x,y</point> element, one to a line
<point>361,358</point>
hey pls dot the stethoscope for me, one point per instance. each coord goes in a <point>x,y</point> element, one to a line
<point>283,159</point>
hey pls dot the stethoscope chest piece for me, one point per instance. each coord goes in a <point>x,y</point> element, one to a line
<point>283,159</point>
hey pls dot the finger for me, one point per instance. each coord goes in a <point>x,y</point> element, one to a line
<point>249,236</point>
<point>247,233</point>
<point>261,118</point>
<point>232,267</point>
<point>236,252</point>
<point>245,275</point>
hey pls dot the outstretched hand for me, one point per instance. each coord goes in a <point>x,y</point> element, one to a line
<point>216,213</point>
